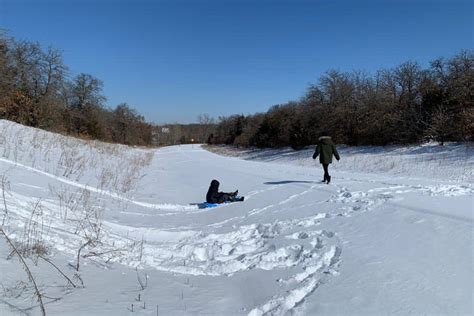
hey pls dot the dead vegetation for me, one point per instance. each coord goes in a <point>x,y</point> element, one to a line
<point>32,229</point>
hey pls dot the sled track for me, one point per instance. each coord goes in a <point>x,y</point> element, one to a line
<point>113,195</point>
<point>307,255</point>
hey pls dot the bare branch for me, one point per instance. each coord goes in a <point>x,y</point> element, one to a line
<point>27,270</point>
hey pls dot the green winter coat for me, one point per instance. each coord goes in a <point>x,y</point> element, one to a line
<point>325,149</point>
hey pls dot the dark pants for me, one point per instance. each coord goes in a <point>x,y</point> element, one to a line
<point>224,197</point>
<point>326,170</point>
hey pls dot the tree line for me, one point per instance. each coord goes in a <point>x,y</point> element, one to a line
<point>405,104</point>
<point>176,134</point>
<point>36,90</point>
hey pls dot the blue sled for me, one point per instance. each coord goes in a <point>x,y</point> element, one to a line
<point>208,205</point>
<point>211,205</point>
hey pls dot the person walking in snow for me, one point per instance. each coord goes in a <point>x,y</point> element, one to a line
<point>325,150</point>
<point>213,195</point>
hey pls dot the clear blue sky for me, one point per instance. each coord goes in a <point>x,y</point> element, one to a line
<point>172,60</point>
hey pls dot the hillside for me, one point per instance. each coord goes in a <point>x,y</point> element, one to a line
<point>392,234</point>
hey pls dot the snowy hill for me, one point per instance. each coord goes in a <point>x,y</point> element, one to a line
<point>392,234</point>
<point>453,161</point>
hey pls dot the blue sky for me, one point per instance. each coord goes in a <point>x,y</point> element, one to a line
<point>172,60</point>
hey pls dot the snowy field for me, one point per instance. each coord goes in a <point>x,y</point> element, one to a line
<point>392,234</point>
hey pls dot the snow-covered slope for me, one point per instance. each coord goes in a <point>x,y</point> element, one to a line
<point>453,161</point>
<point>368,243</point>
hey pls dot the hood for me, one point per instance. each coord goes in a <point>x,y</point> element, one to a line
<point>213,191</point>
<point>325,140</point>
<point>214,187</point>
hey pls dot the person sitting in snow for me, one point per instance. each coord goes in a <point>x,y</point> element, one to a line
<point>326,149</point>
<point>215,197</point>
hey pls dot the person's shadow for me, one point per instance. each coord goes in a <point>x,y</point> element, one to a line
<point>287,181</point>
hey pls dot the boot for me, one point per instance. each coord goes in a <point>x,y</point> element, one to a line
<point>236,198</point>
<point>325,179</point>
<point>328,179</point>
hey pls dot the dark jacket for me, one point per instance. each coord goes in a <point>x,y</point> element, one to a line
<point>212,195</point>
<point>215,197</point>
<point>325,149</point>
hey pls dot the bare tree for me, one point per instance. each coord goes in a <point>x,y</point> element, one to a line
<point>207,126</point>
<point>86,90</point>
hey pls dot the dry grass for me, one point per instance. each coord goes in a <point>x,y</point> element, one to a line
<point>108,167</point>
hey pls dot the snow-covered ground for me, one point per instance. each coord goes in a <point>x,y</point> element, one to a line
<point>392,234</point>
<point>453,161</point>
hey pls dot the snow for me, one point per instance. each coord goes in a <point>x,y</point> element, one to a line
<point>453,161</point>
<point>392,233</point>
